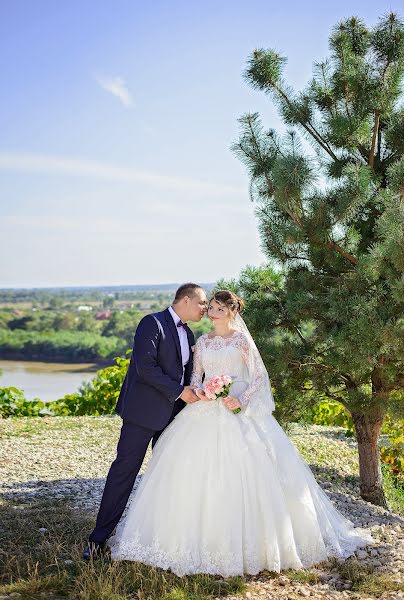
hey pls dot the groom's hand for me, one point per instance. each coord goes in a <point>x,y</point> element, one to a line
<point>188,394</point>
<point>202,396</point>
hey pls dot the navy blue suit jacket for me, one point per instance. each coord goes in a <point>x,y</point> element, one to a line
<point>152,385</point>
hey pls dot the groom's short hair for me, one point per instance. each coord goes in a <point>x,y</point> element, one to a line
<point>186,289</point>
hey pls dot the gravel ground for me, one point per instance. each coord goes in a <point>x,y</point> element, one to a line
<point>69,457</point>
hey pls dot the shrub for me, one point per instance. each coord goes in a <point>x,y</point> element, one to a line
<point>330,412</point>
<point>98,397</point>
<point>14,404</point>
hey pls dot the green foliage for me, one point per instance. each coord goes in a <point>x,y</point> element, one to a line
<point>14,404</point>
<point>50,320</point>
<point>392,454</point>
<point>98,397</point>
<point>336,310</point>
<point>330,412</point>
<point>71,345</point>
<point>333,220</point>
<point>108,302</point>
<point>201,327</point>
<point>123,325</point>
<point>45,313</point>
<point>394,489</point>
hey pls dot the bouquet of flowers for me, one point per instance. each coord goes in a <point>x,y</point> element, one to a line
<point>219,387</point>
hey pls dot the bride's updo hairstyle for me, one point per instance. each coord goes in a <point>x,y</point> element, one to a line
<point>230,300</point>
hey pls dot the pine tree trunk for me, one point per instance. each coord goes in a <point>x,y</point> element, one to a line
<point>368,428</point>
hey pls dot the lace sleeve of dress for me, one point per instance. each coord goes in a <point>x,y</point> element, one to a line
<point>256,372</point>
<point>197,371</point>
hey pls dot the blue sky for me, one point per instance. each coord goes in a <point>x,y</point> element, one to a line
<point>116,122</point>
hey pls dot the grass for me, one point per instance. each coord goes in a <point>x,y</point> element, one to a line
<point>394,490</point>
<point>56,449</point>
<point>365,580</point>
<point>33,563</point>
<point>27,427</point>
<point>303,576</point>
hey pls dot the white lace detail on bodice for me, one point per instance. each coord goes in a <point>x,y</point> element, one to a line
<point>226,356</point>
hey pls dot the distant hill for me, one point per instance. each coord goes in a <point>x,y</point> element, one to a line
<point>48,295</point>
<point>103,288</point>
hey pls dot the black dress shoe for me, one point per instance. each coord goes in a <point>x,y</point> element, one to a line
<point>93,550</point>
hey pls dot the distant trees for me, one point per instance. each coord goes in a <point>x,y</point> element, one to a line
<point>55,302</point>
<point>77,312</point>
<point>76,346</point>
<point>123,325</point>
<point>108,302</point>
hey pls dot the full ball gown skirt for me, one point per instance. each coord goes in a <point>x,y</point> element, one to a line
<point>226,495</point>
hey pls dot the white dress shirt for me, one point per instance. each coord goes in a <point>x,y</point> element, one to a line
<point>184,344</point>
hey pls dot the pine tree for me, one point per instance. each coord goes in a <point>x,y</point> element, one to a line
<point>331,214</point>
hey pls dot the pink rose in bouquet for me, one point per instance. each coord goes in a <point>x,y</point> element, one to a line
<point>219,387</point>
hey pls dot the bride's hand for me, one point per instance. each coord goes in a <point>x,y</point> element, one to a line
<point>231,403</point>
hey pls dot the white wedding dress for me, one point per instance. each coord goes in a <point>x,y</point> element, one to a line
<point>228,493</point>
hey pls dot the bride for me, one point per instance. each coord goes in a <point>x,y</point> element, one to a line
<point>226,492</point>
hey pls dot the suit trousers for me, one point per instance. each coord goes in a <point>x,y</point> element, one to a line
<point>132,446</point>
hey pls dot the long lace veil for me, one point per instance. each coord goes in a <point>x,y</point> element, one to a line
<point>261,400</point>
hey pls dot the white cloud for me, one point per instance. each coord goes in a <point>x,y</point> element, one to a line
<point>37,163</point>
<point>117,87</point>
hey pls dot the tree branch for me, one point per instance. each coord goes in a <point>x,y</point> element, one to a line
<point>258,151</point>
<point>334,246</point>
<point>375,130</point>
<point>293,327</point>
<point>379,142</point>
<point>333,396</point>
<point>363,152</point>
<point>311,130</point>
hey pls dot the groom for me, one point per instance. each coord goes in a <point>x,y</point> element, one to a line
<point>155,389</point>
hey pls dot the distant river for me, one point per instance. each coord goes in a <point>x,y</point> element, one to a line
<point>47,381</point>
